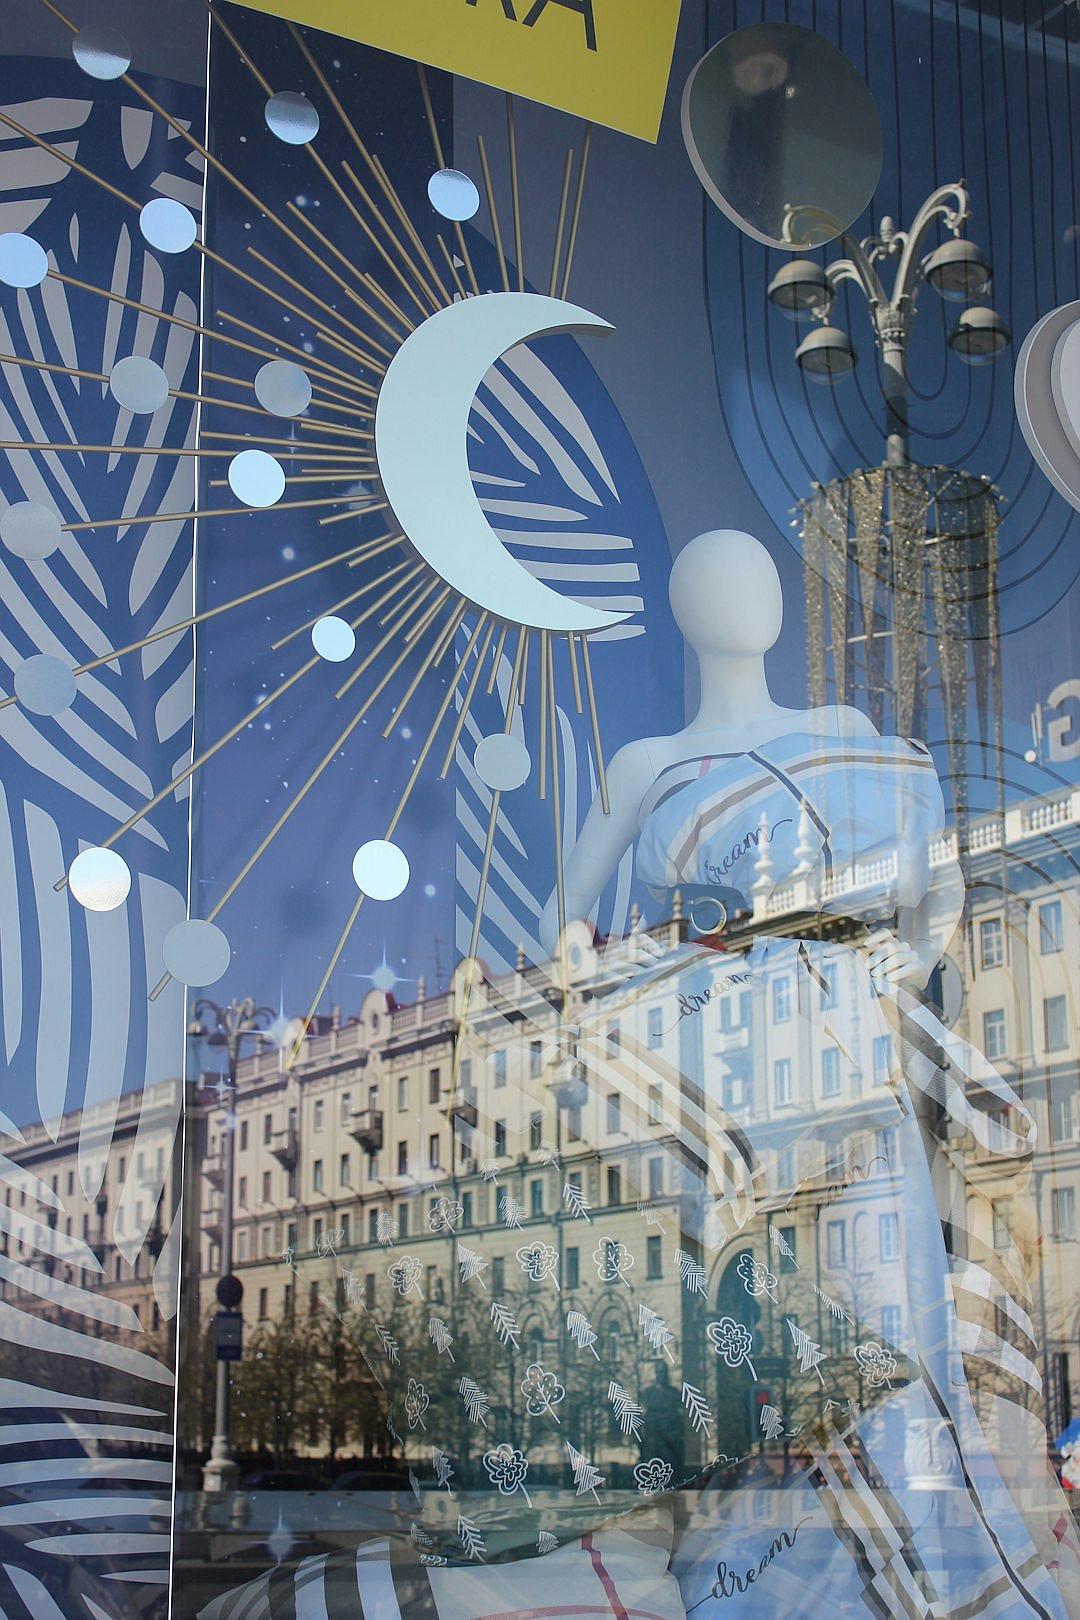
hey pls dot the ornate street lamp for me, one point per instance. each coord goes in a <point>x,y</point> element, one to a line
<point>226,1029</point>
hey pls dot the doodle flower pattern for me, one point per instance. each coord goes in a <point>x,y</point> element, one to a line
<point>731,1340</point>
<point>405,1274</point>
<point>612,1260</point>
<point>876,1364</point>
<point>416,1404</point>
<point>653,1476</point>
<point>539,1260</point>
<point>542,1391</point>
<point>445,1215</point>
<point>757,1278</point>
<point>506,1467</point>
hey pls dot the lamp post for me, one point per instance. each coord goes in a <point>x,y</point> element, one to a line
<point>956,269</point>
<point>226,1028</point>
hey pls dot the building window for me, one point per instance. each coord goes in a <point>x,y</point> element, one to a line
<point>790,1250</point>
<point>829,974</point>
<point>991,942</point>
<point>614,1184</point>
<point>242,1192</point>
<point>313,1297</point>
<point>653,1259</point>
<point>1063,1212</point>
<point>614,1037</point>
<point>403,1220</point>
<point>369,1289</point>
<point>994,1035</point>
<point>836,1243</point>
<point>466,1209</point>
<point>434,1086</point>
<point>1051,933</point>
<point>402,1093</point>
<point>614,1113</point>
<point>433,1145</point>
<point>345,1107</point>
<point>266,1187</point>
<point>1062,1118</point>
<point>243,1135</point>
<point>498,1275</point>
<point>403,1158</point>
<point>345,1170</point>
<point>242,1246</point>
<point>500,1138</point>
<point>830,1072</point>
<point>317,1175</point>
<point>656,1106</point>
<point>892,1323</point>
<point>536,1060</point>
<point>1055,1024</point>
<point>573,1122</point>
<point>500,1067</point>
<point>656,1027</point>
<point>781,1000</point>
<point>782,1081</point>
<point>536,1197</point>
<point>264,1304</point>
<point>785,1168</point>
<point>536,1131</point>
<point>572,1258</point>
<point>320,1115</point>
<point>656,1178</point>
<point>1001,1227</point>
<point>882,1057</point>
<point>889,1237</point>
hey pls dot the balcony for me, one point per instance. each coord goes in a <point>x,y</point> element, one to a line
<point>214,1170</point>
<point>462,1106</point>
<point>284,1146</point>
<point>367,1129</point>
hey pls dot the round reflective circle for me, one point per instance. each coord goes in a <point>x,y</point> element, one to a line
<point>139,385</point>
<point>256,478</point>
<point>708,915</point>
<point>453,194</point>
<point>102,52</point>
<point>334,639</point>
<point>30,531</point>
<point>99,879</point>
<point>291,117</point>
<point>168,226</point>
<point>502,763</point>
<point>283,388</point>
<point>196,953</point>
<point>783,134</point>
<point>23,262</point>
<point>380,870</point>
<point>44,684</point>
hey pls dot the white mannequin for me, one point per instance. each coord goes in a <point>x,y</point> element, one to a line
<point>726,598</point>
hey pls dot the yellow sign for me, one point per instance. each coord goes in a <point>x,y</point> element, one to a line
<point>605,60</point>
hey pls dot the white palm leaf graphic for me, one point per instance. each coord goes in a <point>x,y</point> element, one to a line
<point>545,508</point>
<point>76,1029</point>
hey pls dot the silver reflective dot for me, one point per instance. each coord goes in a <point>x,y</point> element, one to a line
<point>23,262</point>
<point>453,194</point>
<point>291,117</point>
<point>99,879</point>
<point>167,225</point>
<point>283,388</point>
<point>139,385</point>
<point>30,531</point>
<point>256,478</point>
<point>502,763</point>
<point>381,870</point>
<point>334,639</point>
<point>101,52</point>
<point>44,684</point>
<point>196,953</point>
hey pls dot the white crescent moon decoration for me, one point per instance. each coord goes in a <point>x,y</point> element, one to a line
<point>1047,397</point>
<point>421,445</point>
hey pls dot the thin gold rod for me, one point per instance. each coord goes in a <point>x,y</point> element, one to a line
<point>109,449</point>
<point>361,303</point>
<point>276,646</point>
<point>337,430</point>
<point>430,658</point>
<point>466,701</point>
<point>402,252</point>
<point>527,634</point>
<point>560,229</point>
<point>574,676</point>
<point>543,712</point>
<point>332,248</point>
<point>424,625</point>
<point>585,150</point>
<point>418,629</point>
<point>414,602</point>
<point>450,265</point>
<point>79,168</point>
<point>495,662</point>
<point>254,438</point>
<point>440,159</point>
<point>139,520</point>
<point>396,817</point>
<point>595,717</point>
<point>362,553</point>
<point>324,396</point>
<point>493,212</point>
<point>378,168</point>
<point>385,299</point>
<point>47,365</point>
<point>511,136</point>
<point>485,874</point>
<point>450,630</point>
<point>339,375</point>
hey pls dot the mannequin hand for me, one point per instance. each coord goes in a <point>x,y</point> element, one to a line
<point>890,958</point>
<point>632,955</point>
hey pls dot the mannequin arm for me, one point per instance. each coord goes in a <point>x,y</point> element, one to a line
<point>603,841</point>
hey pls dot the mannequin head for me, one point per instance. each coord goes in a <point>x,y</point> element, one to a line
<point>725,594</point>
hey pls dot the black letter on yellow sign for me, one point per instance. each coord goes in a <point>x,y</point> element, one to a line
<point>584,9</point>
<point>507,5</point>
